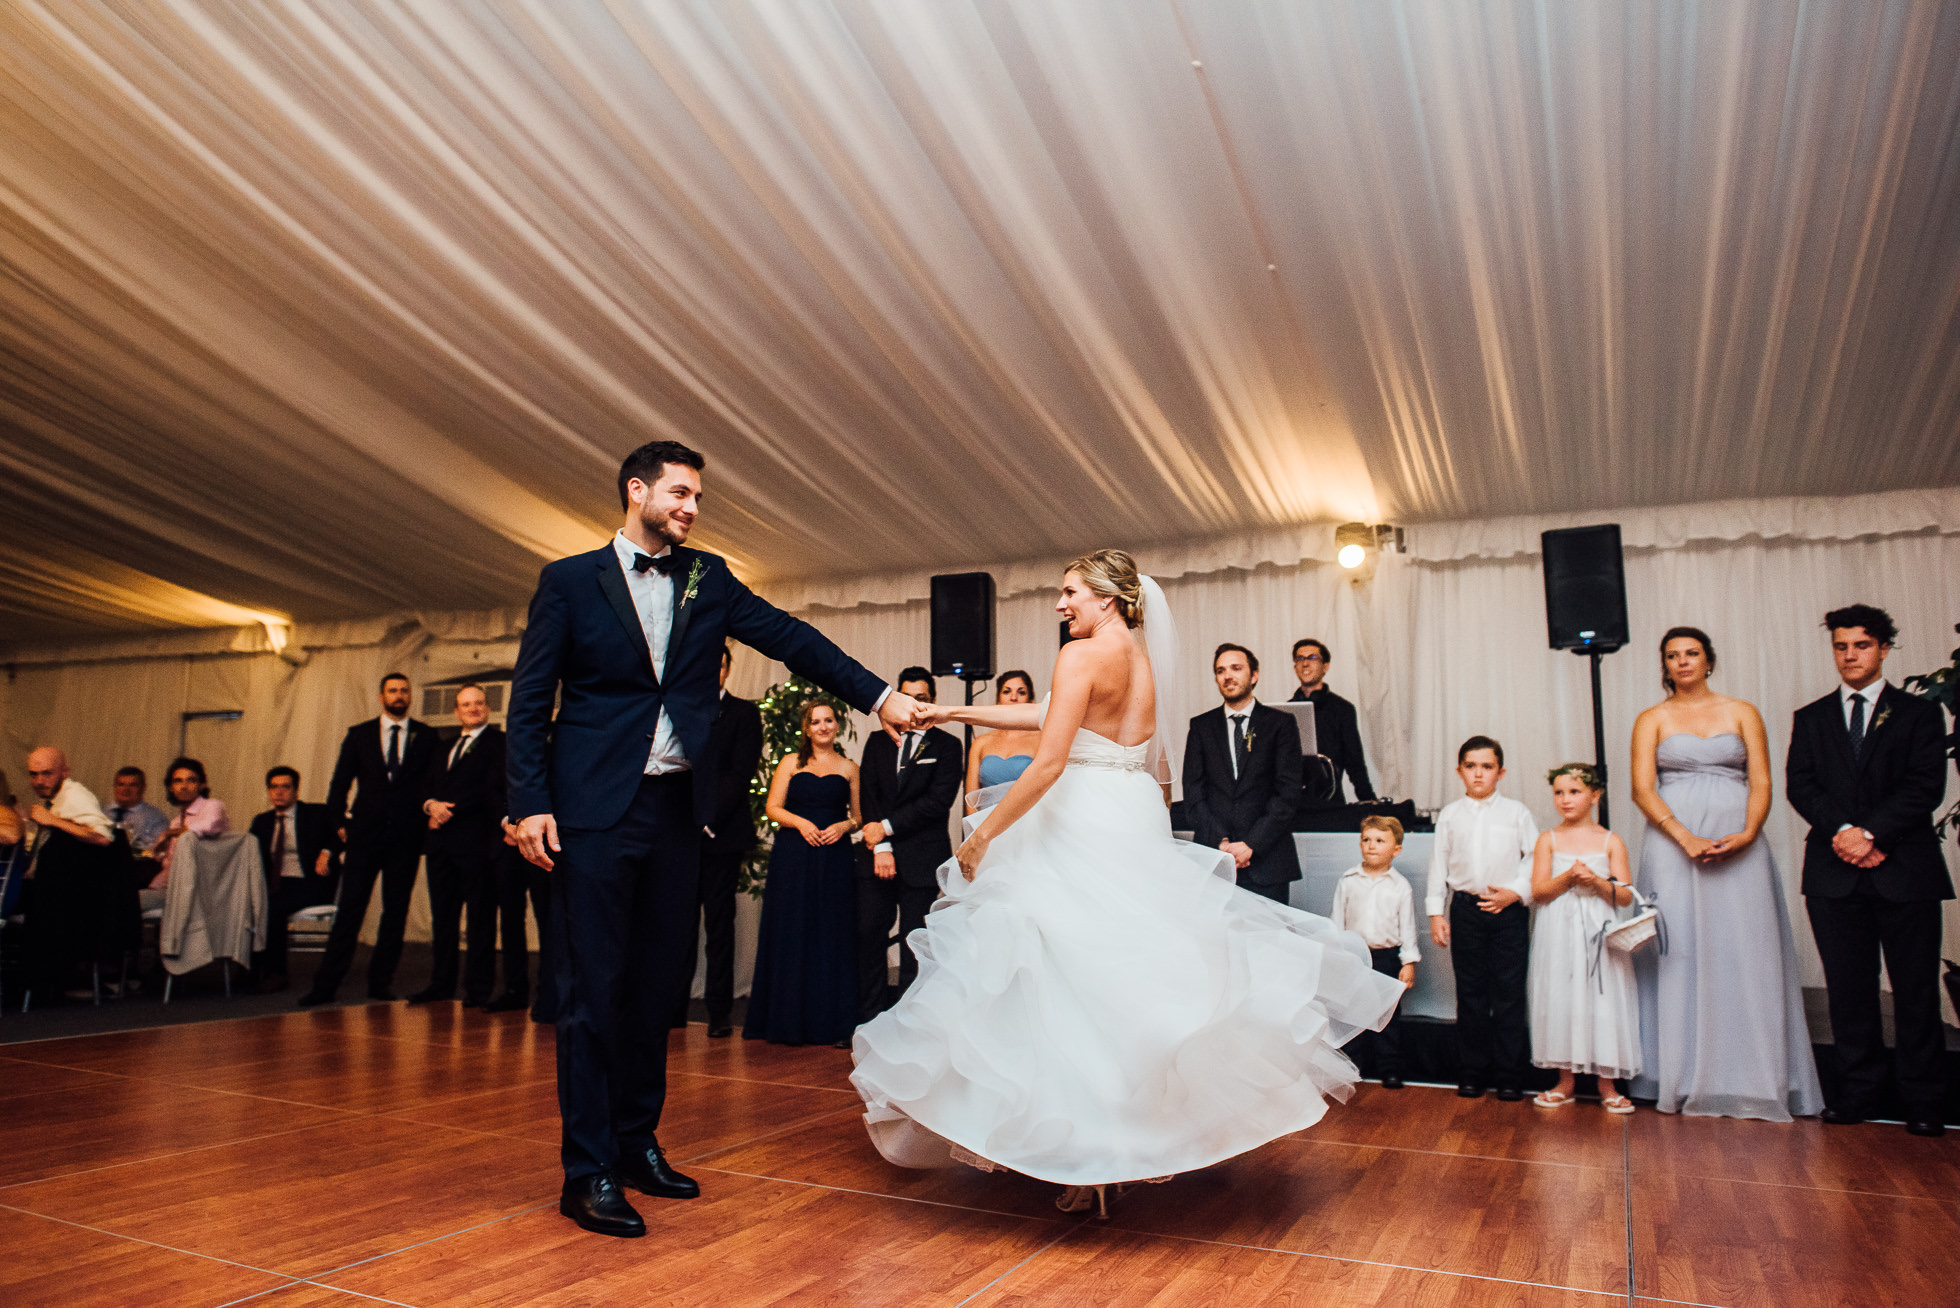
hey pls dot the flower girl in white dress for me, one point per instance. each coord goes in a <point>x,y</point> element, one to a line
<point>1585,1014</point>
<point>1097,1002</point>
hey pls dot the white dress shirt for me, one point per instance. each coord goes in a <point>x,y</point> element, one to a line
<point>1481,844</point>
<point>1869,694</point>
<point>1232,717</point>
<point>387,722</point>
<point>653,599</point>
<point>462,743</point>
<point>1379,909</point>
<point>76,803</point>
<point>910,741</point>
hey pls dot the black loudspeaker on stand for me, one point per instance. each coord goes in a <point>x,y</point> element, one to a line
<point>963,630</point>
<point>1586,609</point>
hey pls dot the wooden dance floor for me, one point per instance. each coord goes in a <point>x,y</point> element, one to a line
<point>409,1156</point>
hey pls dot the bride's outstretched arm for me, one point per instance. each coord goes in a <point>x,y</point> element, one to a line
<point>995,717</point>
<point>1066,707</point>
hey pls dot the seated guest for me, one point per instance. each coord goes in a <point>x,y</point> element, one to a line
<point>197,815</point>
<point>1375,902</point>
<point>1337,728</point>
<point>66,835</point>
<point>1242,778</point>
<point>805,989</point>
<point>143,822</point>
<point>1002,756</point>
<point>296,844</point>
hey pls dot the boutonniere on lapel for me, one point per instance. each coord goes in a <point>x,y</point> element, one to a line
<point>1879,721</point>
<point>693,587</point>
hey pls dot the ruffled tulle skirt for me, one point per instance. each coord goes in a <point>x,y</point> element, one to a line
<point>1100,1004</point>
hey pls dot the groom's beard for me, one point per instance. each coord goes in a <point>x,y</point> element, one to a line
<point>661,527</point>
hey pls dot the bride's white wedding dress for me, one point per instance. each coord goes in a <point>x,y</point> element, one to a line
<point>1101,1004</point>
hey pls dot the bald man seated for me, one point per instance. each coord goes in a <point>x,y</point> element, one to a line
<point>63,900</point>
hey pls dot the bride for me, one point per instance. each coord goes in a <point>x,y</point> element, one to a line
<point>1097,1002</point>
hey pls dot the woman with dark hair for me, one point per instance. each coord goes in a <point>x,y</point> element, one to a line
<point>805,987</point>
<point>1722,1028</point>
<point>1000,757</point>
<point>197,814</point>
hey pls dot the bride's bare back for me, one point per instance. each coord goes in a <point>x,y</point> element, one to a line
<point>1112,670</point>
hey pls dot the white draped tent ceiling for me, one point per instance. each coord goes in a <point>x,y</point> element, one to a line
<point>323,309</point>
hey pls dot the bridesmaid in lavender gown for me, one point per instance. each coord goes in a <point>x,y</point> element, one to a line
<point>1721,1013</point>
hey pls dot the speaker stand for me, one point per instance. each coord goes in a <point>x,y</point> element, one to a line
<point>969,726</point>
<point>1599,738</point>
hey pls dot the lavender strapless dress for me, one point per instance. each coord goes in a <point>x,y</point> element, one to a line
<point>1722,1029</point>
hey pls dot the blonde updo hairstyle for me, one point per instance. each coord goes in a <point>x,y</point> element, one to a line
<point>1112,574</point>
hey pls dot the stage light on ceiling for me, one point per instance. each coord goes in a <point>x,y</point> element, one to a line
<point>1351,556</point>
<point>1352,540</point>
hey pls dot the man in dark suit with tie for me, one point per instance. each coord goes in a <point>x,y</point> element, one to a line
<point>1867,768</point>
<point>1242,778</point>
<point>905,794</point>
<point>1336,726</point>
<point>627,639</point>
<point>465,808</point>
<point>385,761</point>
<point>297,843</point>
<point>736,743</point>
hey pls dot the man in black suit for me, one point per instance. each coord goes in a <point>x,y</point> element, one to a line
<point>296,845</point>
<point>1242,778</point>
<point>516,879</point>
<point>905,792</point>
<point>465,808</point>
<point>1867,768</point>
<point>736,741</point>
<point>1336,726</point>
<point>626,640</point>
<point>386,762</point>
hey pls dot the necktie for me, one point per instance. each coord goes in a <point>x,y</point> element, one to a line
<point>1857,726</point>
<point>278,843</point>
<point>912,742</point>
<point>663,564</point>
<point>462,747</point>
<point>1242,748</point>
<point>394,750</point>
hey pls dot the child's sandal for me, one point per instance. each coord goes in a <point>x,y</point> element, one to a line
<point>1617,1104</point>
<point>1551,1099</point>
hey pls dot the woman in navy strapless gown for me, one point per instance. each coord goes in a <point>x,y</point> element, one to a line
<point>1722,1028</point>
<point>1000,757</point>
<point>805,989</point>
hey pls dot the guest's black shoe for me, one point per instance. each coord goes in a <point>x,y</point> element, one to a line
<point>430,996</point>
<point>1510,1094</point>
<point>1469,1090</point>
<point>1840,1117</point>
<point>720,1029</point>
<point>597,1204</point>
<point>381,994</point>
<point>646,1170</point>
<point>476,1001</point>
<point>542,1018</point>
<point>313,998</point>
<point>1391,1083</point>
<point>1932,1128</point>
<point>507,1003</point>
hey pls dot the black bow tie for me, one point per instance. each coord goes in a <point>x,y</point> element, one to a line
<point>663,564</point>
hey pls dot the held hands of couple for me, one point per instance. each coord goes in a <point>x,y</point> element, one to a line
<point>901,713</point>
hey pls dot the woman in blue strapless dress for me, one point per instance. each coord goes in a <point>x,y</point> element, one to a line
<point>1722,1027</point>
<point>1000,757</point>
<point>805,988</point>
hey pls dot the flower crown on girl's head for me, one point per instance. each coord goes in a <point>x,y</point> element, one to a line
<point>1587,774</point>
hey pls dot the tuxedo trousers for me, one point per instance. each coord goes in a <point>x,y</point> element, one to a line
<point>621,947</point>
<point>1491,954</point>
<point>1851,933</point>
<point>461,881</point>
<point>392,860</point>
<point>878,899</point>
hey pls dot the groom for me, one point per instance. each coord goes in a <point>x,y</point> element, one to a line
<point>628,639</point>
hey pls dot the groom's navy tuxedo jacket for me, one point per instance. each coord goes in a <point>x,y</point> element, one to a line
<point>584,639</point>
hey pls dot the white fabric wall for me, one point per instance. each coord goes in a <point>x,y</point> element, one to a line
<point>1432,649</point>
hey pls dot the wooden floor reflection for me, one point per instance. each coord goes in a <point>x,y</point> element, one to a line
<point>409,1155</point>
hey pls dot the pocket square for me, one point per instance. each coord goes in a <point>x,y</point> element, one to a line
<point>920,762</point>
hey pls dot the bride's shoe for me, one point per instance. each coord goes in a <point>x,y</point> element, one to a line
<point>1080,1198</point>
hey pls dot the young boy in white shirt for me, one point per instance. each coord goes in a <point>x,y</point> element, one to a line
<point>1478,902</point>
<point>1374,901</point>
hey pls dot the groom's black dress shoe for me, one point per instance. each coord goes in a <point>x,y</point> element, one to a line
<point>312,998</point>
<point>1509,1094</point>
<point>597,1204</point>
<point>1469,1090</point>
<point>1840,1117</point>
<point>1391,1082</point>
<point>1932,1128</point>
<point>646,1170</point>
